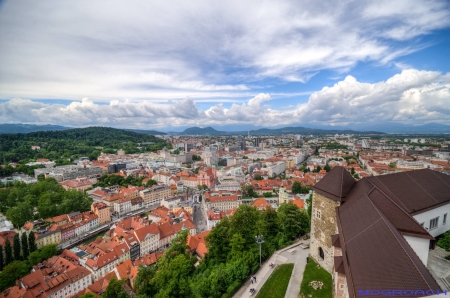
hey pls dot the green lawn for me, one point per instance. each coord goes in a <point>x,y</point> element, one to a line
<point>312,273</point>
<point>276,285</point>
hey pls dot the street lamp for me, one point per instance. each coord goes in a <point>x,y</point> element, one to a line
<point>259,239</point>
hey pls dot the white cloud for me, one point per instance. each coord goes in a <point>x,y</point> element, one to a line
<point>410,96</point>
<point>147,50</point>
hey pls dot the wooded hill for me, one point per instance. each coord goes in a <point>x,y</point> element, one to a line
<point>74,143</point>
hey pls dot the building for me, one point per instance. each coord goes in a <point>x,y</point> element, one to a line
<point>148,238</point>
<point>102,211</point>
<point>210,156</point>
<point>60,276</point>
<point>222,200</point>
<point>48,237</point>
<point>366,233</point>
<point>154,195</point>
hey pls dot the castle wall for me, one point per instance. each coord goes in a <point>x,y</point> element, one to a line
<point>323,225</point>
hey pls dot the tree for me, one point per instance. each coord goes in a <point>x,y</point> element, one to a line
<point>352,171</point>
<point>444,241</point>
<point>11,272</point>
<point>1,258</point>
<point>16,247</point>
<point>142,284</point>
<point>296,187</point>
<point>293,221</point>
<point>327,168</point>
<point>31,242</point>
<point>88,295</point>
<point>115,289</point>
<point>309,210</point>
<point>150,183</point>
<point>258,177</point>
<point>20,214</point>
<point>8,253</point>
<point>217,242</point>
<point>319,168</point>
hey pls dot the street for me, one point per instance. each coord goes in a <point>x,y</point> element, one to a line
<point>199,217</point>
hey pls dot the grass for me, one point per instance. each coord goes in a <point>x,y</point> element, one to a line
<point>312,273</point>
<point>276,285</point>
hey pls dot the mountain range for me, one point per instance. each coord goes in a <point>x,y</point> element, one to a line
<point>298,128</point>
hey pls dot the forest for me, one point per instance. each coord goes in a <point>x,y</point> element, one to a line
<point>71,144</point>
<point>24,202</point>
<point>233,254</point>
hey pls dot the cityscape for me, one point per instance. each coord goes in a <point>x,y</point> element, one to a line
<point>238,149</point>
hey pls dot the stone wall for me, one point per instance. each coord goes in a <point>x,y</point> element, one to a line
<point>322,228</point>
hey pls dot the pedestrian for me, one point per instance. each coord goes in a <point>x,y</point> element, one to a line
<point>252,280</point>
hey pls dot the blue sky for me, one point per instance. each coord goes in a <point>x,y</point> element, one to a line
<point>259,63</point>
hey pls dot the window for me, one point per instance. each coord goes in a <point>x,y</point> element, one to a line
<point>318,214</point>
<point>445,219</point>
<point>434,223</point>
<point>321,253</point>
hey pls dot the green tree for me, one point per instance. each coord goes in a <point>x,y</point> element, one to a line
<point>115,289</point>
<point>352,171</point>
<point>8,253</point>
<point>142,284</point>
<point>88,295</point>
<point>293,220</point>
<point>16,247</point>
<point>11,272</point>
<point>31,242</point>
<point>319,168</point>
<point>1,258</point>
<point>327,168</point>
<point>217,242</point>
<point>444,241</point>
<point>24,244</point>
<point>309,210</point>
<point>237,243</point>
<point>258,177</point>
<point>296,187</point>
<point>244,221</point>
<point>150,183</point>
<point>20,214</point>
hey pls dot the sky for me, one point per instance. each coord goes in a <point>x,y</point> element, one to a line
<point>168,65</point>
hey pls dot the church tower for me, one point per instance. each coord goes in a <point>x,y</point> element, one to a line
<point>328,193</point>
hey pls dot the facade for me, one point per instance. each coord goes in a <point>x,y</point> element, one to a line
<point>46,238</point>
<point>222,200</point>
<point>155,194</point>
<point>148,238</point>
<point>102,211</point>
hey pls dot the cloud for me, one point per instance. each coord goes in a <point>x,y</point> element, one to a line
<point>149,50</point>
<point>412,96</point>
<point>408,96</point>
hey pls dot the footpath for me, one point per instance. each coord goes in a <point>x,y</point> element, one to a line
<point>282,256</point>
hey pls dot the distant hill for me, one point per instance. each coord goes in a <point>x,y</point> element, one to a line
<point>73,143</point>
<point>403,128</point>
<point>147,132</point>
<point>201,131</point>
<point>273,131</point>
<point>26,128</point>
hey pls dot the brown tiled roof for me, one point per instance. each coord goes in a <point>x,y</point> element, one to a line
<point>375,255</point>
<point>416,190</point>
<point>336,185</point>
<point>372,222</point>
